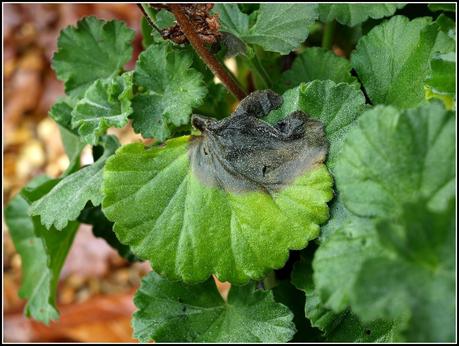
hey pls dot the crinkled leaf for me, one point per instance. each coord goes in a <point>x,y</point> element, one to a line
<point>65,200</point>
<point>61,112</point>
<point>170,88</point>
<point>103,228</point>
<point>393,157</point>
<point>353,14</point>
<point>337,106</point>
<point>42,251</point>
<point>278,28</point>
<point>217,203</point>
<point>106,103</point>
<point>93,49</point>
<point>175,312</point>
<point>336,327</point>
<point>415,279</point>
<point>316,63</point>
<point>392,60</point>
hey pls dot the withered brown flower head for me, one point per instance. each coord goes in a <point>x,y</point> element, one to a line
<point>205,24</point>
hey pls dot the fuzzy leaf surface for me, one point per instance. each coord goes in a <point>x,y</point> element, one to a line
<point>353,14</point>
<point>42,251</point>
<point>170,89</point>
<point>392,60</point>
<point>93,49</point>
<point>66,200</point>
<point>176,312</point>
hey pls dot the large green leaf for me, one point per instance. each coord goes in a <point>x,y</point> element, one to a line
<point>339,258</point>
<point>217,203</point>
<point>415,278</point>
<point>393,157</point>
<point>106,103</point>
<point>278,27</point>
<point>65,200</point>
<point>441,81</point>
<point>175,312</point>
<point>42,251</point>
<point>336,327</point>
<point>93,49</point>
<point>392,60</point>
<point>316,63</point>
<point>170,88</point>
<point>353,14</point>
<point>337,106</point>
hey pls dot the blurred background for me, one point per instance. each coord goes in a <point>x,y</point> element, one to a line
<point>96,287</point>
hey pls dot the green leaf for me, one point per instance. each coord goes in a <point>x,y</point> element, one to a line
<point>106,103</point>
<point>65,200</point>
<point>42,251</point>
<point>217,203</point>
<point>339,258</point>
<point>415,279</point>
<point>337,106</point>
<point>61,112</point>
<point>103,228</point>
<point>392,61</point>
<point>175,312</point>
<point>92,50</point>
<point>278,28</point>
<point>170,89</point>
<point>316,63</point>
<point>442,77</point>
<point>282,27</point>
<point>336,327</point>
<point>394,157</point>
<point>353,14</point>
<point>442,7</point>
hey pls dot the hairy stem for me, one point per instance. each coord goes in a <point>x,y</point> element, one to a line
<point>215,66</point>
<point>327,38</point>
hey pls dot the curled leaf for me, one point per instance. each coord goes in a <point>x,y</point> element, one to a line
<point>218,202</point>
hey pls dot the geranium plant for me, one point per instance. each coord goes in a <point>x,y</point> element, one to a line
<point>317,177</point>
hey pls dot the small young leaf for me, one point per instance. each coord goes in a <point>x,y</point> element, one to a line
<point>282,27</point>
<point>175,312</point>
<point>416,278</point>
<point>353,14</point>
<point>216,203</point>
<point>92,50</point>
<point>392,61</point>
<point>278,28</point>
<point>171,89</point>
<point>65,201</point>
<point>393,157</point>
<point>106,103</point>
<point>42,251</point>
<point>316,63</point>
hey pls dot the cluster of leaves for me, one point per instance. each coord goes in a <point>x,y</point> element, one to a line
<point>380,263</point>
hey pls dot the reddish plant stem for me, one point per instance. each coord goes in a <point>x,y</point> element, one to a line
<point>214,65</point>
